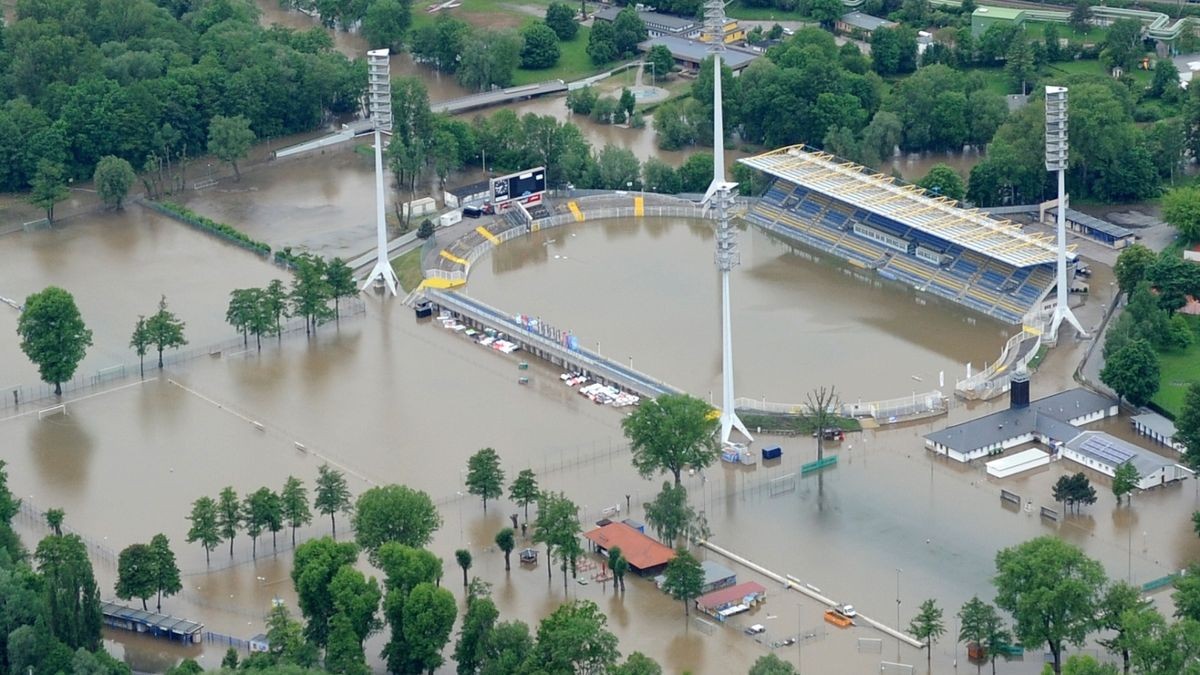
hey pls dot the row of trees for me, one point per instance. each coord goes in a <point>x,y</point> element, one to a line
<point>261,311</point>
<point>617,39</point>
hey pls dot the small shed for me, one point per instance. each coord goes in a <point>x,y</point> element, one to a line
<point>726,602</point>
<point>716,577</point>
<point>466,194</point>
<point>1158,428</point>
<point>259,643</point>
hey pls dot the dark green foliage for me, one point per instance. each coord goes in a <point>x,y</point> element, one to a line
<point>113,178</point>
<point>575,638</point>
<point>671,433</point>
<point>316,564</point>
<point>492,58</point>
<point>205,528</point>
<point>440,43</point>
<point>425,231</point>
<point>53,335</point>
<point>942,180</point>
<point>230,138</point>
<point>386,23</point>
<point>770,664</point>
<point>506,541</point>
<point>227,232</point>
<point>135,573</point>
<point>485,477</point>
<point>664,62</point>
<point>1074,490</point>
<point>1133,372</point>
<point>1187,425</point>
<point>602,46</point>
<point>1133,264</point>
<point>894,50</point>
<point>331,495</point>
<point>229,515</point>
<point>560,18</point>
<point>340,280</point>
<point>540,48</point>
<point>684,578</point>
<point>72,598</point>
<point>473,636</point>
<point>524,490</point>
<point>628,31</point>
<point>294,504</point>
<point>164,330</point>
<point>394,513</point>
<point>463,557</point>
<point>48,187</point>
<point>928,626</point>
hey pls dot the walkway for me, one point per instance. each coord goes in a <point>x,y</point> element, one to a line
<point>348,131</point>
<point>589,363</point>
<point>488,98</point>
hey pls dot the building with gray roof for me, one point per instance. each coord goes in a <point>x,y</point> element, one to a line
<point>656,24</point>
<point>1159,428</point>
<point>690,54</point>
<point>851,23</point>
<point>1104,453</point>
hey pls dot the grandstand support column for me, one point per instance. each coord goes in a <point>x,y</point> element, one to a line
<point>1056,160</point>
<point>379,92</point>
<point>719,197</point>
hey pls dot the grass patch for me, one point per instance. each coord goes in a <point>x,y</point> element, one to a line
<point>794,425</point>
<point>1094,35</point>
<point>573,63</point>
<point>1178,369</point>
<point>408,269</point>
<point>1094,67</point>
<point>737,10</point>
<point>1037,358</point>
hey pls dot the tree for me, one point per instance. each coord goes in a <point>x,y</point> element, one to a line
<point>53,335</point>
<point>1181,210</point>
<point>231,659</point>
<point>243,304</point>
<point>1080,15</point>
<point>1050,40</point>
<point>48,187</point>
<point>54,518</point>
<point>425,231</point>
<point>1187,425</point>
<point>627,102</point>
<point>628,31</point>
<point>981,625</point>
<point>574,639</point>
<point>662,59</point>
<point>684,578</point>
<point>71,597</point>
<point>671,433</point>
<point>670,514</point>
<point>826,12</point>
<point>658,176</point>
<point>485,478</point>
<point>470,650</point>
<point>139,342</point>
<point>394,513</point>
<point>1125,480</point>
<point>637,664</point>
<point>230,138</point>
<point>560,18</point>
<point>506,542</point>
<point>894,50</point>
<point>927,625</point>
<point>357,598</point>
<point>166,572</point>
<point>274,303</point>
<point>285,635</point>
<point>429,614</point>
<point>770,664</point>
<point>229,515</point>
<point>1135,261</point>
<point>1166,80</point>
<point>524,490</point>
<point>294,504</point>
<point>310,291</point>
<point>113,178</point>
<point>165,329</point>
<point>1123,47</point>
<point>463,557</point>
<point>491,60</point>
<point>332,495</point>
<point>1052,590</point>
<point>135,573</point>
<point>316,564</point>
<point>340,279</point>
<point>1121,611</point>
<point>822,407</point>
<point>541,49</point>
<point>1132,372</point>
<point>944,181</point>
<point>557,527</point>
<point>1019,63</point>
<point>386,22</point>
<point>344,651</point>
<point>256,513</point>
<point>619,566</point>
<point>602,46</point>
<point>205,525</point>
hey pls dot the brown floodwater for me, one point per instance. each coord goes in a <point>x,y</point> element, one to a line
<point>390,399</point>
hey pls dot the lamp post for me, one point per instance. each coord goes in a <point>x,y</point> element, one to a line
<point>898,571</point>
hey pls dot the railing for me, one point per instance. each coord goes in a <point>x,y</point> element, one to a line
<point>889,411</point>
<point>996,378</point>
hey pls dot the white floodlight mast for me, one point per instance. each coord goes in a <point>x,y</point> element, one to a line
<point>1056,160</point>
<point>379,98</point>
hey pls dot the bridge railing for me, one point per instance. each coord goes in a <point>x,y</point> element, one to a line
<point>887,411</point>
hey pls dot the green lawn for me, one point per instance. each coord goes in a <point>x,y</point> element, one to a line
<point>573,63</point>
<point>408,268</point>
<point>737,10</point>
<point>1178,370</point>
<point>1037,30</point>
<point>1095,67</point>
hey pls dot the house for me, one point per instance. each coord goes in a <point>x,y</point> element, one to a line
<point>726,602</point>
<point>689,54</point>
<point>859,25</point>
<point>984,18</point>
<point>1158,428</point>
<point>656,24</point>
<point>467,194</point>
<point>646,555</point>
<point>1104,453</point>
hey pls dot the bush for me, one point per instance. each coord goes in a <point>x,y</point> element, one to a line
<point>222,230</point>
<point>425,231</point>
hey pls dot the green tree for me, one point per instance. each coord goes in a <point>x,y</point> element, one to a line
<point>506,542</point>
<point>670,514</point>
<point>1124,481</point>
<point>286,638</point>
<point>255,515</point>
<point>71,597</point>
<point>54,518</point>
<point>1083,664</point>
<point>229,139</point>
<point>637,663</point>
<point>310,292</point>
<point>658,176</point>
<point>560,17</point>
<point>205,525</point>
<point>628,31</point>
<point>463,557</point>
<point>980,624</point>
<point>48,187</point>
<point>1080,16</point>
<point>1179,333</point>
<point>485,477</point>
<point>53,335</point>
<point>166,571</point>
<point>602,45</point>
<point>1122,610</point>
<point>340,279</point>
<point>1166,80</point>
<point>826,12</point>
<point>344,651</point>
<point>357,598</point>
<point>1123,46</point>
<point>139,342</point>
<point>386,22</point>
<point>1181,210</point>
<point>770,664</point>
<point>315,565</point>
<point>135,573</point>
<point>1187,425</point>
<point>944,181</point>
<point>429,614</point>
<point>1052,590</point>
<point>243,304</point>
<point>1132,372</point>
<point>165,329</point>
<point>229,515</point>
<point>663,60</point>
<point>684,578</point>
<point>927,625</point>
<point>470,650</point>
<point>275,303</point>
<point>574,638</point>
<point>294,504</point>
<point>627,102</point>
<point>1135,261</point>
<point>671,433</point>
<point>1019,63</point>
<point>894,50</point>
<point>1050,40</point>
<point>696,172</point>
<point>394,513</point>
<point>524,490</point>
<point>332,495</point>
<point>230,661</point>
<point>491,60</point>
<point>113,178</point>
<point>557,526</point>
<point>619,567</point>
<point>540,49</point>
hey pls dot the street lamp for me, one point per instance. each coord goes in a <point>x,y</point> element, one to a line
<point>898,571</point>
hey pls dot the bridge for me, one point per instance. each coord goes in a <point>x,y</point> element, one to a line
<point>595,366</point>
<point>489,98</point>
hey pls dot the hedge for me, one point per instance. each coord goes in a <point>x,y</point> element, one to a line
<point>226,232</point>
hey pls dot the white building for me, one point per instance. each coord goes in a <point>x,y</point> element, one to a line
<point>1104,453</point>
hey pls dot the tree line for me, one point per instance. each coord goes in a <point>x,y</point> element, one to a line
<point>261,311</point>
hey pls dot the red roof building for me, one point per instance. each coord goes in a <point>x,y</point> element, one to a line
<point>733,595</point>
<point>643,553</point>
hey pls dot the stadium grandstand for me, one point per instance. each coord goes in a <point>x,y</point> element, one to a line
<point>905,233</point>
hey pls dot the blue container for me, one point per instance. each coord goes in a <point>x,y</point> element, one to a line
<point>772,453</point>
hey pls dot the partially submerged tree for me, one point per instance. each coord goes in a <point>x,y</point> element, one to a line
<point>332,495</point>
<point>165,330</point>
<point>671,433</point>
<point>927,626</point>
<point>684,578</point>
<point>205,528</point>
<point>53,335</point>
<point>524,490</point>
<point>485,477</point>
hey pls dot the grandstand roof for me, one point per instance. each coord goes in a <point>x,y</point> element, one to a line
<point>908,204</point>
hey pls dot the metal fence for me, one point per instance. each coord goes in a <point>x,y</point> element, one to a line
<point>888,411</point>
<point>29,515</point>
<point>996,378</point>
<point>16,396</point>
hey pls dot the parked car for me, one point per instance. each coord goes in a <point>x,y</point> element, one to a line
<point>472,212</point>
<point>847,611</point>
<point>756,629</point>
